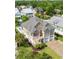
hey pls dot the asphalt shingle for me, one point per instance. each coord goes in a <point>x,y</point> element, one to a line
<point>31,23</point>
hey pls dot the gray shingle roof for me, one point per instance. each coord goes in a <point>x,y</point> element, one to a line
<point>31,23</point>
<point>56,20</point>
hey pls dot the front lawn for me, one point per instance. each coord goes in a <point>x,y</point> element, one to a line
<point>51,53</point>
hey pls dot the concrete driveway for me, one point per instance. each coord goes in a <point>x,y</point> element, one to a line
<point>57,46</point>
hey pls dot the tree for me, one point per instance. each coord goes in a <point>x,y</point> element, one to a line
<point>46,56</point>
<point>41,46</point>
<point>16,21</point>
<point>49,10</point>
<point>47,5</point>
<point>42,4</point>
<point>19,38</point>
<point>24,18</point>
<point>24,53</point>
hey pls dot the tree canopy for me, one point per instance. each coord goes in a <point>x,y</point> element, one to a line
<point>47,6</point>
<point>21,40</point>
<point>24,18</point>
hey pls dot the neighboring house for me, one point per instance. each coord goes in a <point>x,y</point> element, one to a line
<point>38,30</point>
<point>17,13</point>
<point>27,11</point>
<point>57,22</point>
<point>24,10</point>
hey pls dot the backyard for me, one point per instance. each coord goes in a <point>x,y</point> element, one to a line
<point>25,50</point>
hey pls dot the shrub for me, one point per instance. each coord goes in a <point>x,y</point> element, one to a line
<point>46,56</point>
<point>21,40</point>
<point>58,37</point>
<point>16,21</point>
<point>42,16</point>
<point>24,43</point>
<point>46,17</point>
<point>24,18</point>
<point>16,30</point>
<point>37,14</point>
<point>41,46</point>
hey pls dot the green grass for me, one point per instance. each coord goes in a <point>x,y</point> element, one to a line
<point>29,48</point>
<point>51,53</point>
<point>24,48</point>
<point>47,50</point>
<point>60,38</point>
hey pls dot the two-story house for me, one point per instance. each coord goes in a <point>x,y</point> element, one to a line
<point>37,30</point>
